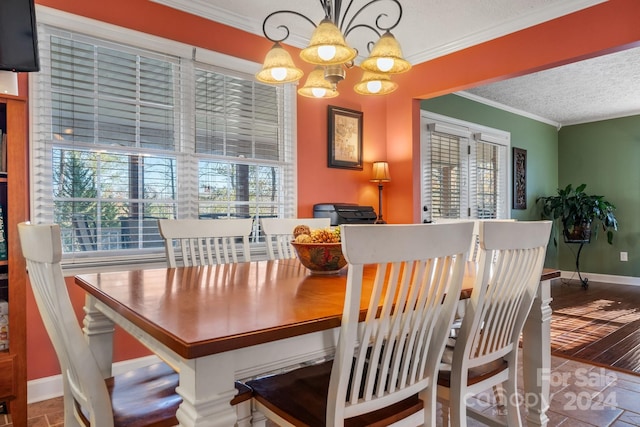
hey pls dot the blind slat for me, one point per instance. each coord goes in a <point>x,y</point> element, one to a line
<point>125,136</point>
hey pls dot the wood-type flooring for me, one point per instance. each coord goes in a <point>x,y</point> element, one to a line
<point>598,325</point>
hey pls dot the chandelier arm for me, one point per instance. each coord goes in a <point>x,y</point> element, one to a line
<point>367,26</point>
<point>344,15</point>
<point>378,18</point>
<point>282,26</point>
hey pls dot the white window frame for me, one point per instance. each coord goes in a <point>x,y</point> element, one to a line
<point>468,132</point>
<point>195,56</point>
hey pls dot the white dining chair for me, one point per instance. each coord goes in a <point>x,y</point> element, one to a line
<point>206,241</point>
<point>279,234</point>
<point>474,253</point>
<point>143,397</point>
<point>385,367</point>
<point>484,353</point>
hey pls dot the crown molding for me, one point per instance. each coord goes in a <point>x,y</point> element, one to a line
<point>507,108</point>
<point>525,21</point>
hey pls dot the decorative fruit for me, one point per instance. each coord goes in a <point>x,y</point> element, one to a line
<point>303,238</point>
<point>301,229</point>
<point>303,234</point>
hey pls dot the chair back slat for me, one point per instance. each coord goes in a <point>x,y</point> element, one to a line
<point>510,263</point>
<point>42,248</point>
<point>474,247</point>
<point>206,241</point>
<point>395,352</point>
<point>279,234</point>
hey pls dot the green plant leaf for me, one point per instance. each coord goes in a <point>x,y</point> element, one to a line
<point>574,207</point>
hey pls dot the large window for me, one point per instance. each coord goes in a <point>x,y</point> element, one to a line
<point>464,169</point>
<point>124,135</point>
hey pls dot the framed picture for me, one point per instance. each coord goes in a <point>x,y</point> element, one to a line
<point>519,178</point>
<point>345,138</point>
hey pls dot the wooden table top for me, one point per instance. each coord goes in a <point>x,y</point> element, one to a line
<point>197,311</point>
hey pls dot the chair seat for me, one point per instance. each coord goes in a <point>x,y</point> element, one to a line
<point>244,393</point>
<point>476,374</point>
<point>310,386</point>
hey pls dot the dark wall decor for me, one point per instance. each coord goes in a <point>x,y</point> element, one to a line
<point>519,178</point>
<point>345,138</point>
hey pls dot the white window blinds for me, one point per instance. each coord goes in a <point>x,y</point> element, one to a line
<point>447,170</point>
<point>124,136</point>
<point>464,169</point>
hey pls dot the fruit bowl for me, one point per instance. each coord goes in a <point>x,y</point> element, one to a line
<point>321,258</point>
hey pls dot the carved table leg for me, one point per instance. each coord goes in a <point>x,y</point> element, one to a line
<point>98,330</point>
<point>207,387</point>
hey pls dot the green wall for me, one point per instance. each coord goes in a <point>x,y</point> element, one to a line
<point>605,155</point>
<point>539,139</point>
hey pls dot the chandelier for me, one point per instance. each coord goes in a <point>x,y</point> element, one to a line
<point>331,54</point>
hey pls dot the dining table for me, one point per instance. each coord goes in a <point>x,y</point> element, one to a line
<point>220,323</point>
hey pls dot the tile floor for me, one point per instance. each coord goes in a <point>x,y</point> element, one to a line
<point>584,395</point>
<point>581,395</point>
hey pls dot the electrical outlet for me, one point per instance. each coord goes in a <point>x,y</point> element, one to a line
<point>624,256</point>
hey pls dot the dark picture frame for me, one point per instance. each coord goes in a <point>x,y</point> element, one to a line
<point>345,138</point>
<point>519,178</point>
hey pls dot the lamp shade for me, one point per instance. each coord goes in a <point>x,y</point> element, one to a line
<point>375,84</point>
<point>380,172</point>
<point>278,67</point>
<point>317,86</point>
<point>327,46</point>
<point>386,57</point>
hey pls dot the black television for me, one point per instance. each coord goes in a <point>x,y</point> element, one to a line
<point>18,36</point>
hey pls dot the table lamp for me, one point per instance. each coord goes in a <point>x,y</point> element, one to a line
<point>380,174</point>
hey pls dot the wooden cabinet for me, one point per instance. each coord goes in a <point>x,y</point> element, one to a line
<point>14,197</point>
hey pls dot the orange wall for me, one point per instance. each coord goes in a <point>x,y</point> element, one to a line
<point>391,129</point>
<point>601,29</point>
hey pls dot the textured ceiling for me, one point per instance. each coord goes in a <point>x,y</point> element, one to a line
<point>590,90</point>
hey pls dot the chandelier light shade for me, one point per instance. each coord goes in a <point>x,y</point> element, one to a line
<point>386,57</point>
<point>278,67</point>
<point>328,48</point>
<point>380,174</point>
<point>317,86</point>
<point>375,84</point>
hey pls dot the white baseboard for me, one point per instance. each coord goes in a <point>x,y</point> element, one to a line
<point>604,278</point>
<point>50,387</point>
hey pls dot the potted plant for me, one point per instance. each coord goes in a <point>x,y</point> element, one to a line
<point>580,213</point>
